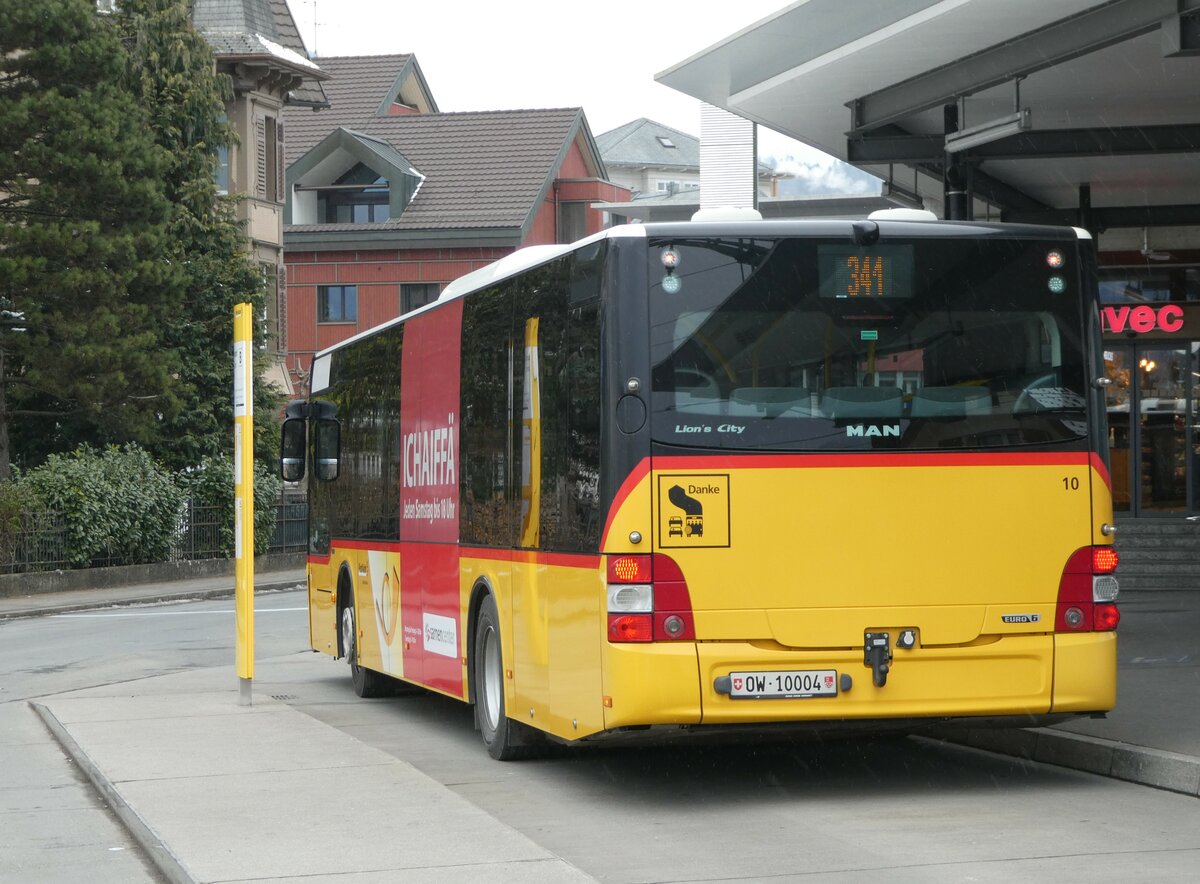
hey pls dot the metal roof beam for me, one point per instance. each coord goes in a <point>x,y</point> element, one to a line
<point>896,147</point>
<point>901,147</point>
<point>1070,38</point>
<point>1112,217</point>
<point>1102,142</point>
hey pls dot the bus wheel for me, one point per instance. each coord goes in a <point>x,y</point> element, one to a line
<point>367,682</point>
<point>505,738</point>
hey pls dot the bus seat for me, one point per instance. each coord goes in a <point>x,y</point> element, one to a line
<point>840,402</point>
<point>951,401</point>
<point>771,401</point>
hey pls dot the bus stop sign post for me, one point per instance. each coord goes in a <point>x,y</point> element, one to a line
<point>243,485</point>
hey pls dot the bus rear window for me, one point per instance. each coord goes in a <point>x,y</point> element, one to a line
<point>801,344</point>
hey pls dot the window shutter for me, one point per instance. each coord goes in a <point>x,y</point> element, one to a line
<point>281,306</point>
<point>280,172</point>
<point>260,138</point>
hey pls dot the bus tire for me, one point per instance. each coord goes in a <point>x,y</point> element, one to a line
<point>506,739</point>
<point>367,682</point>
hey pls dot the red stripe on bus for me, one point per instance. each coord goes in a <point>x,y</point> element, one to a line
<point>566,560</point>
<point>828,461</point>
<point>368,545</point>
<point>561,560</point>
<point>490,553</point>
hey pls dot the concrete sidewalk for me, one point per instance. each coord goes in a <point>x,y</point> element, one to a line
<point>215,791</point>
<point>180,788</point>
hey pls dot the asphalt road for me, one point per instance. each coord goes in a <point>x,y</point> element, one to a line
<point>905,809</point>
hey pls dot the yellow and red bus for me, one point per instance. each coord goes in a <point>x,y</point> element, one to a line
<point>725,473</point>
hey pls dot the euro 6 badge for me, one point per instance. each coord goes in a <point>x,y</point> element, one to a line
<point>693,510</point>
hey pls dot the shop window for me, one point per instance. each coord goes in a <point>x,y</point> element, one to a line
<point>337,303</point>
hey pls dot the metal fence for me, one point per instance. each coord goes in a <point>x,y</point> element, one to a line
<point>40,541</point>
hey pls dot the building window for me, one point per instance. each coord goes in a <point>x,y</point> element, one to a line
<point>221,174</point>
<point>337,303</point>
<point>572,221</point>
<point>358,197</point>
<point>665,141</point>
<point>417,294</point>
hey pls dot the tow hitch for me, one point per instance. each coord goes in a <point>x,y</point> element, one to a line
<point>877,654</point>
<point>877,651</point>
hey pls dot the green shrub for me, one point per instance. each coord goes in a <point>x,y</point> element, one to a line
<point>211,485</point>
<point>15,500</point>
<point>117,503</point>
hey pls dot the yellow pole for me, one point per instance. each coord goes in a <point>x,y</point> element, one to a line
<point>243,480</point>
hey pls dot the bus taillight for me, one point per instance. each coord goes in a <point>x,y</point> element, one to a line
<point>1104,559</point>
<point>1087,592</point>
<point>648,600</point>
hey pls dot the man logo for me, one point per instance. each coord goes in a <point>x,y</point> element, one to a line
<point>872,430</point>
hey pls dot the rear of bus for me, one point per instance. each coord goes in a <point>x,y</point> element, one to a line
<point>874,470</point>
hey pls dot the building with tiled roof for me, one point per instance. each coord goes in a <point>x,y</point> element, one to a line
<point>359,88</point>
<point>389,200</point>
<point>648,157</point>
<point>652,159</point>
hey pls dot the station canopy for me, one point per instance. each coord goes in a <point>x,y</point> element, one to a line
<point>1047,111</point>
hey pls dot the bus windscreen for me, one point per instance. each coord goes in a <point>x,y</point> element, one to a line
<point>809,344</point>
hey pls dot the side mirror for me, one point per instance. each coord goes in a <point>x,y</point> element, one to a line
<point>291,449</point>
<point>327,449</point>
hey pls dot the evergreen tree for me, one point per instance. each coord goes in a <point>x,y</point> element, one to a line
<point>84,276</point>
<point>173,75</point>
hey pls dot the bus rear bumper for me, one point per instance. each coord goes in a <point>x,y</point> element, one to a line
<point>1010,675</point>
<point>1016,677</point>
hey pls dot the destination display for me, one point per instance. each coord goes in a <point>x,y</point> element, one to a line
<point>881,272</point>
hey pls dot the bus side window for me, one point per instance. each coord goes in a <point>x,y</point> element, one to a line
<point>580,529</point>
<point>487,497</point>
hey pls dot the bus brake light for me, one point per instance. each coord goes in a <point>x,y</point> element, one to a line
<point>1106,617</point>
<point>630,628</point>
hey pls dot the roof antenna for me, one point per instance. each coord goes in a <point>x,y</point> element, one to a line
<point>316,24</point>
